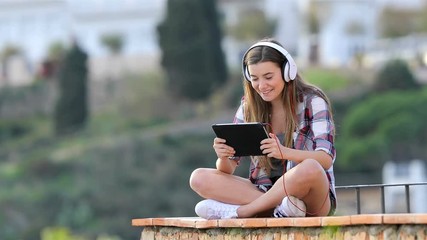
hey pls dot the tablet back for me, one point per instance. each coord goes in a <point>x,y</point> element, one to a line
<point>245,138</point>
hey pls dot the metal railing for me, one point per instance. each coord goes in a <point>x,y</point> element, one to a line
<point>357,188</point>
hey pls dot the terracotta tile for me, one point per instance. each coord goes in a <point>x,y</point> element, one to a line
<point>336,221</point>
<point>308,222</point>
<point>160,222</point>
<point>363,219</point>
<point>398,218</point>
<point>243,222</point>
<point>203,223</point>
<point>230,222</point>
<point>142,222</point>
<point>280,222</point>
<point>176,222</point>
<point>254,222</point>
<point>420,218</point>
<point>184,222</point>
<point>405,218</point>
<point>366,219</point>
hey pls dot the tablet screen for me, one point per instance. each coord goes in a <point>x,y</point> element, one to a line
<point>245,138</point>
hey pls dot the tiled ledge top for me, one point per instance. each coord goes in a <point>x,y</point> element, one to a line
<point>362,219</point>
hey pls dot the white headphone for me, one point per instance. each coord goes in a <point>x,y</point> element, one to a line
<point>290,68</point>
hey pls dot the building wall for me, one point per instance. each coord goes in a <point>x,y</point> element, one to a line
<point>405,172</point>
<point>30,26</point>
<point>347,27</point>
<point>33,25</point>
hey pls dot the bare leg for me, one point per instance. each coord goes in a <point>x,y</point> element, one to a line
<point>307,181</point>
<point>214,184</point>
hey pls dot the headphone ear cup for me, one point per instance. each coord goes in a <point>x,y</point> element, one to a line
<point>286,72</point>
<point>292,73</point>
<point>246,73</point>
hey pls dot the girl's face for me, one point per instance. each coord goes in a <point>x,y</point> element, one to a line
<point>266,79</point>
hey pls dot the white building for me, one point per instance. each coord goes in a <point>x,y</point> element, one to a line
<point>399,173</point>
<point>30,26</point>
<point>33,25</point>
<point>135,21</point>
<point>346,27</point>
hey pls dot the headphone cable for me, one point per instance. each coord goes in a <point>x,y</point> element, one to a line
<point>284,186</point>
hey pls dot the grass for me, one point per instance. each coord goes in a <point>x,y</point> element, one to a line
<point>327,79</point>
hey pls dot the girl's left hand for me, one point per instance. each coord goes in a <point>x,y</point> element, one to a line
<point>272,147</point>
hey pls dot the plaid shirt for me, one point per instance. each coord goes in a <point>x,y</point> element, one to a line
<point>314,133</point>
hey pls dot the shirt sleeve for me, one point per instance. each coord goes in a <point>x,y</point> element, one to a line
<point>239,117</point>
<point>322,126</point>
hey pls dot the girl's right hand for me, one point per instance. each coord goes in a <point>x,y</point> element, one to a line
<point>222,150</point>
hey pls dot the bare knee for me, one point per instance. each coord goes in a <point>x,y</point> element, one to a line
<point>311,170</point>
<point>199,179</point>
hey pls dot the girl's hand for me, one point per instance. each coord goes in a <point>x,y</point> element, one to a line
<point>222,150</point>
<point>272,147</point>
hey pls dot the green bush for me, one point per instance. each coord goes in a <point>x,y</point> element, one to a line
<point>13,129</point>
<point>395,75</point>
<point>386,127</point>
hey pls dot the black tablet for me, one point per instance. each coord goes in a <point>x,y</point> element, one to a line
<point>245,138</point>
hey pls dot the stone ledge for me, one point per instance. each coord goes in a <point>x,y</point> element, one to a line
<point>362,219</point>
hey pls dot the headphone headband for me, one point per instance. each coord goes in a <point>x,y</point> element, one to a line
<point>289,69</point>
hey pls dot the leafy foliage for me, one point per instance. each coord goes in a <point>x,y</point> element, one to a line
<point>395,75</point>
<point>71,109</point>
<point>99,189</point>
<point>190,39</point>
<point>114,42</point>
<point>386,127</point>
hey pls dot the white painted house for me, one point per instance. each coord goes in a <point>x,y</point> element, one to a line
<point>33,25</point>
<point>347,26</point>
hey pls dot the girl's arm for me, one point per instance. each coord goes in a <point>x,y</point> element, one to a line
<point>273,148</point>
<point>226,165</point>
<point>321,132</point>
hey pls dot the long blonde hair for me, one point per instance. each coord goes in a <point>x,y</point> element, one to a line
<point>258,110</point>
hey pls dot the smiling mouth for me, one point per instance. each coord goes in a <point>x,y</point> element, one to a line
<point>266,92</point>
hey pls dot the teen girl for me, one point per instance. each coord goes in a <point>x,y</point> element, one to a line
<point>295,176</point>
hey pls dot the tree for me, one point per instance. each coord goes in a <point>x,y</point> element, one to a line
<point>395,75</point>
<point>71,108</point>
<point>190,39</point>
<point>385,127</point>
<point>114,42</point>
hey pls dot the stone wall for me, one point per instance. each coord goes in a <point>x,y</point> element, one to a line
<point>359,227</point>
